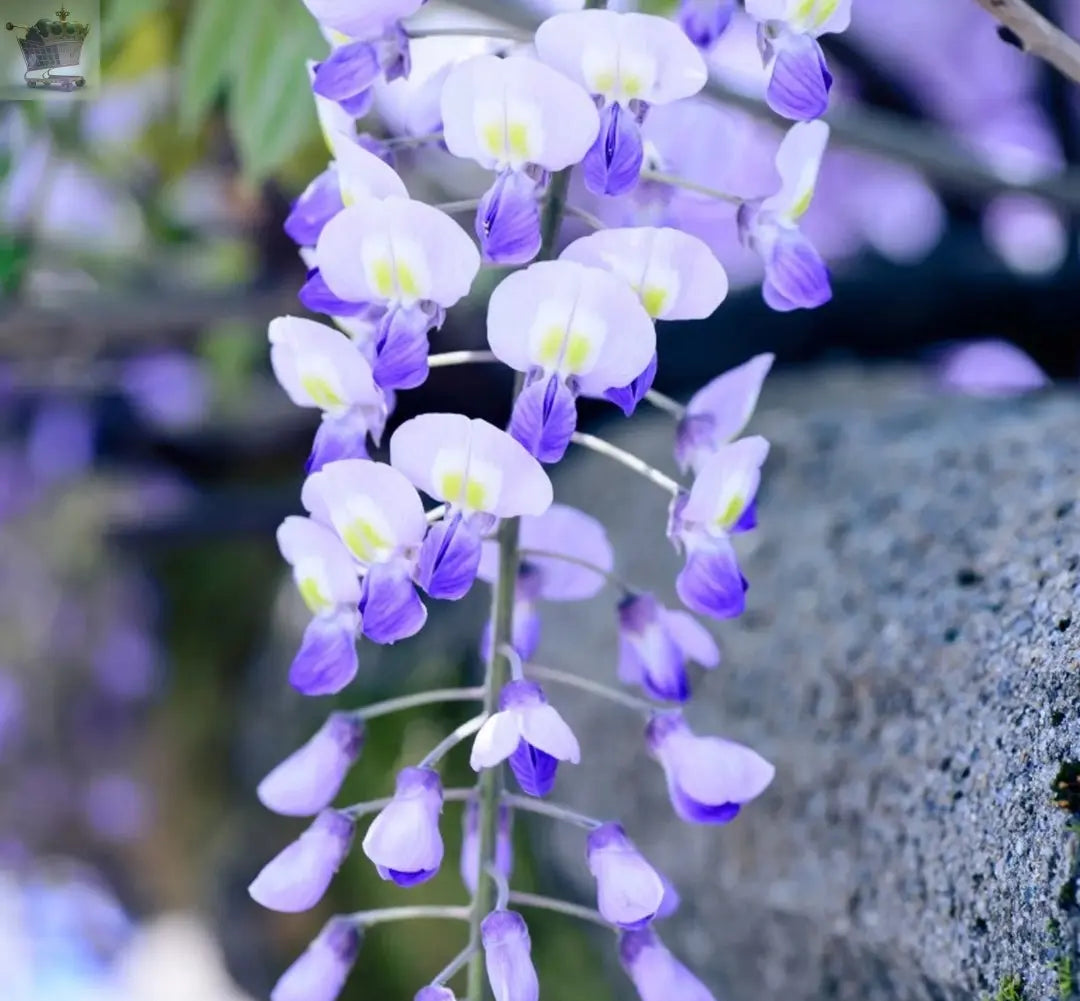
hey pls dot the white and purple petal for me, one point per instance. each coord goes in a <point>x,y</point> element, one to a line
<point>507,955</point>
<point>544,418</point>
<point>322,568</point>
<point>629,891</point>
<point>704,21</point>
<point>319,202</point>
<point>326,661</point>
<point>613,163</point>
<point>390,608</point>
<point>361,173</point>
<point>320,972</point>
<point>508,219</point>
<point>656,973</point>
<point>404,840</point>
<point>361,20</point>
<point>800,80</point>
<point>449,558</point>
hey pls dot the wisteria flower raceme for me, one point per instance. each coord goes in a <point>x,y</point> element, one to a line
<point>788,30</point>
<point>522,119</point>
<point>308,779</point>
<point>508,956</point>
<point>656,973</point>
<point>709,779</point>
<point>319,367</point>
<point>795,275</point>
<point>470,845</point>
<point>326,578</point>
<point>404,840</point>
<point>296,879</point>
<point>481,473</point>
<point>628,62</point>
<point>320,972</point>
<point>704,21</point>
<point>530,734</point>
<point>630,892</point>
<point>719,412</point>
<point>378,515</point>
<point>561,530</point>
<point>655,644</point>
<point>719,504</point>
<point>404,262</point>
<point>575,330</point>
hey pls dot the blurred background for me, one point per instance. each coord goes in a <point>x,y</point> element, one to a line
<point>146,455</point>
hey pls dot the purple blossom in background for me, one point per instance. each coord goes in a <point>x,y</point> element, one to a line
<point>470,845</point>
<point>12,708</point>
<point>308,779</point>
<point>60,444</point>
<point>170,390</point>
<point>434,994</point>
<point>404,840</point>
<point>320,972</point>
<point>507,952</point>
<point>116,806</point>
<point>709,779</point>
<point>989,368</point>
<point>704,21</point>
<point>298,877</point>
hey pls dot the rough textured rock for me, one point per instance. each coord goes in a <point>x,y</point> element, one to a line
<point>910,661</point>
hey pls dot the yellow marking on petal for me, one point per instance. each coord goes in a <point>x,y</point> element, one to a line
<point>383,273</point>
<point>364,540</point>
<point>406,281</point>
<point>654,299</point>
<point>631,86</point>
<point>603,82</point>
<point>494,137</point>
<point>577,352</point>
<point>338,38</point>
<point>312,595</point>
<point>475,495</point>
<point>825,10</point>
<point>452,487</point>
<point>550,346</point>
<point>322,394</point>
<point>798,210</point>
<point>517,140</point>
<point>732,512</point>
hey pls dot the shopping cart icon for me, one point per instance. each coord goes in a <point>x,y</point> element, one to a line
<point>51,45</point>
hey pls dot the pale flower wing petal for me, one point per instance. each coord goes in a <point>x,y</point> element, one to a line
<point>362,173</point>
<point>565,529</point>
<point>496,740</point>
<point>547,731</point>
<point>798,162</point>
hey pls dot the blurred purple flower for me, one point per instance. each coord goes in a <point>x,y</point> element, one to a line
<point>989,368</point>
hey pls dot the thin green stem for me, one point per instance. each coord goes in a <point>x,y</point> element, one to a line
<point>502,887</point>
<point>401,142</point>
<point>451,740</point>
<point>403,702</point>
<point>628,459</point>
<point>559,907</point>
<point>681,182</point>
<point>475,31</point>
<point>517,666</point>
<point>555,676</point>
<point>358,810</point>
<point>608,575</point>
<point>452,208</point>
<point>455,964</point>
<point>666,403</point>
<point>593,222</point>
<point>368,918</point>
<point>553,810</point>
<point>450,358</point>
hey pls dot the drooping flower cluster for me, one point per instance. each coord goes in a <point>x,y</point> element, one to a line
<point>453,498</point>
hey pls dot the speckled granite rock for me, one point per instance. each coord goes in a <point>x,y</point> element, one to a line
<point>910,661</point>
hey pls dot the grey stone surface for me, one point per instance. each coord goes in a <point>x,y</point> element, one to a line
<point>910,661</point>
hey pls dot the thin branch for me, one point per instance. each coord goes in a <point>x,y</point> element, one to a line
<point>608,575</point>
<point>449,358</point>
<point>457,963</point>
<point>476,31</point>
<point>1037,35</point>
<point>451,740</point>
<point>628,459</point>
<point>455,208</point>
<point>368,918</point>
<point>559,907</point>
<point>418,699</point>
<point>553,674</point>
<point>553,810</point>
<point>358,810</point>
<point>593,222</point>
<point>666,403</point>
<point>681,182</point>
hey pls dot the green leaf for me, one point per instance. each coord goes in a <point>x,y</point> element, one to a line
<point>271,110</point>
<point>216,36</point>
<point>119,15</point>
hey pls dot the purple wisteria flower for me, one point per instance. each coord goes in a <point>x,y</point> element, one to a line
<point>326,578</point>
<point>563,531</point>
<point>628,62</point>
<point>508,957</point>
<point>704,21</point>
<point>530,734</point>
<point>308,779</point>
<point>719,412</point>
<point>719,504</point>
<point>991,368</point>
<point>433,993</point>
<point>402,263</point>
<point>320,972</point>
<point>470,845</point>
<point>379,516</point>
<point>524,120</point>
<point>320,367</point>
<point>709,779</point>
<point>795,275</point>
<point>656,973</point>
<point>629,891</point>
<point>576,331</point>
<point>655,644</point>
<point>481,473</point>
<point>369,44</point>
<point>316,205</point>
<point>788,30</point>
<point>296,879</point>
<point>404,840</point>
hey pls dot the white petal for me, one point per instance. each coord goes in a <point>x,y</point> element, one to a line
<point>727,482</point>
<point>675,275</point>
<point>361,18</point>
<point>798,161</point>
<point>516,111</point>
<point>496,741</point>
<point>323,570</point>
<point>574,320</point>
<point>362,173</point>
<point>319,366</point>
<point>546,730</point>
<point>333,118</point>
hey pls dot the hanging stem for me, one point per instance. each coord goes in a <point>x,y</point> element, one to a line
<point>385,914</point>
<point>403,142</point>
<point>593,222</point>
<point>628,459</point>
<point>502,887</point>
<point>450,358</point>
<point>404,702</point>
<point>666,403</point>
<point>608,575</point>
<point>686,185</point>
<point>559,907</point>
<point>621,698</point>
<point>553,810</point>
<point>358,810</point>
<point>455,964</point>
<point>451,740</point>
<point>465,205</point>
<point>477,31</point>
